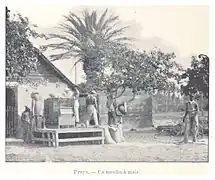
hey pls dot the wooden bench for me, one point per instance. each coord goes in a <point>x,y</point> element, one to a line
<point>52,137</point>
<point>173,130</point>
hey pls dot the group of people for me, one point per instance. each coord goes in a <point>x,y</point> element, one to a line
<point>33,117</point>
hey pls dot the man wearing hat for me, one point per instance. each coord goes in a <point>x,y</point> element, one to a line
<point>92,106</point>
<point>120,110</point>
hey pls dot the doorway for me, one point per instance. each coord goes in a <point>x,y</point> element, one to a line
<point>11,112</point>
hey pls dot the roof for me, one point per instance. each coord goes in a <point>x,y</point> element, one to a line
<point>55,69</point>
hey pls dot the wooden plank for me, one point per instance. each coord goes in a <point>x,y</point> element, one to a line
<point>103,140</point>
<point>44,130</point>
<point>81,139</point>
<point>68,130</point>
<point>42,139</point>
<point>78,130</point>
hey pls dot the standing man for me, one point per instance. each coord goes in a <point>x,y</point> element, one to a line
<point>111,110</point>
<point>76,106</point>
<point>92,106</point>
<point>37,107</point>
<point>192,121</point>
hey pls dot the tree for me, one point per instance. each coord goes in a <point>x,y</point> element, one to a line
<point>197,76</point>
<point>140,71</point>
<point>21,56</point>
<point>85,37</point>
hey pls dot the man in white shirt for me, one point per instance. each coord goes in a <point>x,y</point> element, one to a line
<point>76,106</point>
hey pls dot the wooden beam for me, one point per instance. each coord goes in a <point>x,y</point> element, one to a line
<point>81,139</point>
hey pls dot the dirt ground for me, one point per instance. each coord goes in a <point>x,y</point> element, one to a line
<point>139,146</point>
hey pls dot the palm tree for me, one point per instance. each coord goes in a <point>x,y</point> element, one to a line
<point>86,38</point>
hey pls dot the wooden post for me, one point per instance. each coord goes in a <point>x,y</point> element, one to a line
<point>53,140</point>
<point>49,139</point>
<point>43,136</point>
<point>56,140</point>
<point>75,74</point>
<point>98,110</point>
<point>103,140</point>
<point>32,137</point>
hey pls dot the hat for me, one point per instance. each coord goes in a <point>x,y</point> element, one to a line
<point>66,89</point>
<point>93,92</point>
<point>27,108</point>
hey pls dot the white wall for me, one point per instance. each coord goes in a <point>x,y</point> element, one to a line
<point>24,93</point>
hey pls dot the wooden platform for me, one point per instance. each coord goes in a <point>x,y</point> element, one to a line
<point>53,137</point>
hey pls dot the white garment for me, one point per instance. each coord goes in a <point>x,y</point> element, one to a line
<point>91,110</point>
<point>76,103</point>
<point>76,110</point>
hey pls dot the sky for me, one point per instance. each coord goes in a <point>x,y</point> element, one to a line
<point>180,29</point>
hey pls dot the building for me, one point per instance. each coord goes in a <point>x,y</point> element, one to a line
<point>51,81</point>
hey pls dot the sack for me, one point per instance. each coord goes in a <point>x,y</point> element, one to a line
<point>115,134</point>
<point>108,138</point>
<point>121,132</point>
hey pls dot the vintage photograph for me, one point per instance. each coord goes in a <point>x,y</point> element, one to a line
<point>106,84</point>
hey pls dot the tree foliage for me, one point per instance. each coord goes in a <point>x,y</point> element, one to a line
<point>21,56</point>
<point>109,62</point>
<point>197,76</point>
<point>84,38</point>
<point>124,67</point>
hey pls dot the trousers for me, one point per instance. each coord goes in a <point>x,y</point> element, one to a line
<point>92,113</point>
<point>191,128</point>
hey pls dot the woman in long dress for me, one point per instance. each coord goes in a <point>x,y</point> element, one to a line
<point>26,123</point>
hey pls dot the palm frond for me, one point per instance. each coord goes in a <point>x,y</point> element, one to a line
<point>94,19</point>
<point>60,56</point>
<point>116,32</point>
<point>108,30</point>
<point>79,27</point>
<point>87,20</point>
<point>64,46</point>
<point>67,39</point>
<point>67,55</point>
<point>69,30</point>
<point>110,20</point>
<point>122,39</point>
<point>79,19</point>
<point>101,19</point>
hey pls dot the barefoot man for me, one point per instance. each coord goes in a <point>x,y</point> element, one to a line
<point>191,122</point>
<point>92,106</point>
<point>76,106</point>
